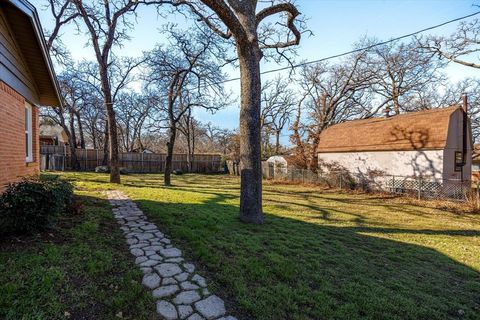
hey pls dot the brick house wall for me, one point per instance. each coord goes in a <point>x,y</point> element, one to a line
<point>13,165</point>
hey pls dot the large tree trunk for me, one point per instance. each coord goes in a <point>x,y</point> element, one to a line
<point>72,140</point>
<point>192,156</point>
<point>105,145</point>
<point>250,135</point>
<point>73,135</point>
<point>80,130</point>
<point>74,165</point>
<point>169,158</point>
<point>277,142</point>
<point>189,154</point>
<point>112,127</point>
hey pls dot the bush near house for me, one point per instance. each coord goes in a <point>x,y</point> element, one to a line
<point>34,204</point>
<point>81,269</point>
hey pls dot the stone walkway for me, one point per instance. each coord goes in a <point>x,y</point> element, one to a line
<point>180,292</point>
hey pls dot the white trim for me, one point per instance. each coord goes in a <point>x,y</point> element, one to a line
<point>28,133</point>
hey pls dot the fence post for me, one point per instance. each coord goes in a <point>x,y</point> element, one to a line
<point>419,188</point>
<point>142,163</point>
<point>341,178</point>
<point>393,185</point>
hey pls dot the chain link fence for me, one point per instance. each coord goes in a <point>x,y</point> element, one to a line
<point>419,187</point>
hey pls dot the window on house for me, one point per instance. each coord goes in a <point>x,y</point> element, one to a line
<point>458,160</point>
<point>28,133</point>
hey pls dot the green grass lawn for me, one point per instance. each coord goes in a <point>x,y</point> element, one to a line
<point>321,254</point>
<point>80,270</point>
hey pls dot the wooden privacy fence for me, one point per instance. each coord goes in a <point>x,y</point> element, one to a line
<point>58,158</point>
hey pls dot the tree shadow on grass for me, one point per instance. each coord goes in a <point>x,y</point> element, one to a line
<point>292,269</point>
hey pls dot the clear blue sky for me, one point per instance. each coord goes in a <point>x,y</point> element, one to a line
<point>336,24</point>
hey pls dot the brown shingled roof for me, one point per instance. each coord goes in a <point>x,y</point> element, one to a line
<point>409,131</point>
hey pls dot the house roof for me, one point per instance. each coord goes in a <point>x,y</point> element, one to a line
<point>23,19</point>
<point>409,131</point>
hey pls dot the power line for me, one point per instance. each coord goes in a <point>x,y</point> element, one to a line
<point>359,49</point>
<point>349,52</point>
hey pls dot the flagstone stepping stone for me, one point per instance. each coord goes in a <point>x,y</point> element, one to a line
<point>195,316</point>
<point>155,257</point>
<point>141,259</point>
<point>148,227</point>
<point>189,267</point>
<point>149,263</point>
<point>187,297</point>
<point>132,241</point>
<point>182,276</point>
<point>171,253</point>
<point>165,240</point>
<point>167,310</point>
<point>211,307</point>
<point>138,245</point>
<point>144,236</point>
<point>153,248</point>
<point>200,280</point>
<point>168,281</point>
<point>187,285</point>
<point>146,270</point>
<point>137,252</point>
<point>168,269</point>
<point>165,291</point>
<point>151,280</point>
<point>184,311</point>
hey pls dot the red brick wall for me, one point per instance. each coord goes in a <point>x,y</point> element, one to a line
<point>12,138</point>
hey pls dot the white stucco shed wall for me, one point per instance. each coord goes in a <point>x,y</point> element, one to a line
<point>428,163</point>
<point>279,163</point>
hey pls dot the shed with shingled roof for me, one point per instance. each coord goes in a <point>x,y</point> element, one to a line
<point>434,143</point>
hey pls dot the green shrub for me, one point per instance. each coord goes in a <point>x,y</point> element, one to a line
<point>49,177</point>
<point>34,204</point>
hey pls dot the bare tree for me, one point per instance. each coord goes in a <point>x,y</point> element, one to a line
<point>191,129</point>
<point>186,74</point>
<point>448,94</point>
<point>399,71</point>
<point>107,24</point>
<point>133,110</point>
<point>93,118</point>
<point>330,94</point>
<point>63,12</point>
<point>278,104</point>
<point>461,47</point>
<point>252,30</point>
